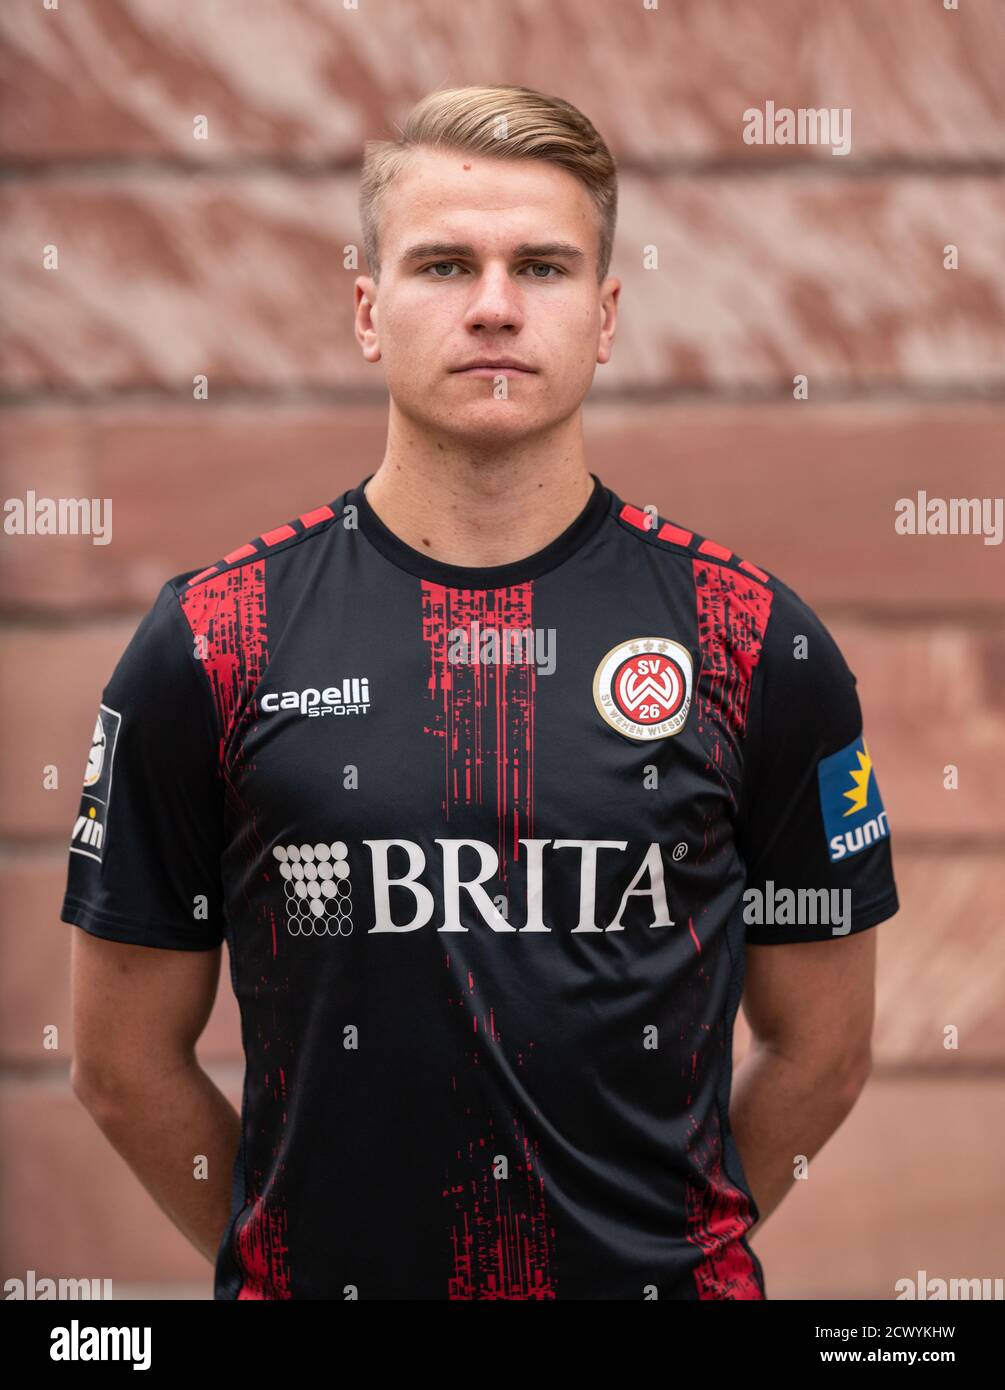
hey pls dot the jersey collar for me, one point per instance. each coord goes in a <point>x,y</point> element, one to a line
<point>555,553</point>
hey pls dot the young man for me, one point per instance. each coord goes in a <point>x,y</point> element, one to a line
<point>501,791</point>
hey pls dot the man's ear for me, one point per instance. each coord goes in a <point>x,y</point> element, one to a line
<point>365,291</point>
<point>609,292</point>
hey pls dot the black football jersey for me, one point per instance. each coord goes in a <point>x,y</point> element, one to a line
<point>486,847</point>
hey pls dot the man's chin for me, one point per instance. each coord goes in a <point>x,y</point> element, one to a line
<point>492,422</point>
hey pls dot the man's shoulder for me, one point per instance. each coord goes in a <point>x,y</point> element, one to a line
<point>685,542</point>
<point>287,535</point>
<point>757,599</point>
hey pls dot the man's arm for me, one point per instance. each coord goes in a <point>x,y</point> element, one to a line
<point>137,1014</point>
<point>810,1006</point>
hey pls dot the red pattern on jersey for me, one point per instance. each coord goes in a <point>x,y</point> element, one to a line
<point>227,615</point>
<point>733,612</point>
<point>501,1237</point>
<point>484,712</point>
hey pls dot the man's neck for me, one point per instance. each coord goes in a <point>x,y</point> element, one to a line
<point>481,507</point>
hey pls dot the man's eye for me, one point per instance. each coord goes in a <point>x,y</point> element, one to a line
<point>532,265</point>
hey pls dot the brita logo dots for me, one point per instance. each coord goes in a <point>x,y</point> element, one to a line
<point>317,888</point>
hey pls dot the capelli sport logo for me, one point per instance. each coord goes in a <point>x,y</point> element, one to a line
<point>642,687</point>
<point>351,697</point>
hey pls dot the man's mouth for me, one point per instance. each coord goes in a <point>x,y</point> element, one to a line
<point>486,366</point>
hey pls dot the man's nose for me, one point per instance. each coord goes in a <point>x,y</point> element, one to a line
<point>495,300</point>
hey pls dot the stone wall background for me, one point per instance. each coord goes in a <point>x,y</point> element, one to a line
<point>225,256</point>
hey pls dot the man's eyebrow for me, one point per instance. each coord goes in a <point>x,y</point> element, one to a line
<point>445,250</point>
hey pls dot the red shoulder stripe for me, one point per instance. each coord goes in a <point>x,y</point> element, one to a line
<point>267,538</point>
<point>752,569</point>
<point>718,552</point>
<point>669,532</point>
<point>643,520</point>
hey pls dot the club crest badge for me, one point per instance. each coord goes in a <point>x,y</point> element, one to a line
<point>642,687</point>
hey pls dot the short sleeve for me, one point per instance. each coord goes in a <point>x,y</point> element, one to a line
<point>811,826</point>
<point>146,846</point>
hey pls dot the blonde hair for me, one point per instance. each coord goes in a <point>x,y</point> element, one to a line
<point>471,119</point>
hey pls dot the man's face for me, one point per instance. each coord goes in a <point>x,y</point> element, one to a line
<point>495,259</point>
